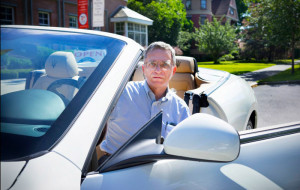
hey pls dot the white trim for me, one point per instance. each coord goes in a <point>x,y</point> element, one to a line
<point>76,21</point>
<point>127,15</point>
<point>48,18</point>
<point>126,29</point>
<point>12,12</point>
<point>146,36</point>
<point>133,20</point>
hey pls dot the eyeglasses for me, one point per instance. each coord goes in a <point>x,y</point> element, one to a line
<point>165,65</point>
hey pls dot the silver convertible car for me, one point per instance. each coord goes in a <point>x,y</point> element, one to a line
<point>59,86</point>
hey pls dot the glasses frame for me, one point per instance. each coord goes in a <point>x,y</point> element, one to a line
<point>163,65</point>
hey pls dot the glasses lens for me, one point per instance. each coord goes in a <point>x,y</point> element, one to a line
<point>163,65</point>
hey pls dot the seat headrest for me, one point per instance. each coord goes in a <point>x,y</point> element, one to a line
<point>185,64</point>
<point>61,65</point>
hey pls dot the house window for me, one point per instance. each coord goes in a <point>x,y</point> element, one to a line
<point>203,4</point>
<point>202,19</point>
<point>188,4</point>
<point>7,15</point>
<point>138,33</point>
<point>120,28</point>
<point>231,10</point>
<point>44,19</point>
<point>73,22</point>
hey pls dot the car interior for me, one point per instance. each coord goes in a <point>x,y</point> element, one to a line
<point>61,67</point>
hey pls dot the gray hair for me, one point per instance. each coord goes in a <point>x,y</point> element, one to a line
<point>161,45</point>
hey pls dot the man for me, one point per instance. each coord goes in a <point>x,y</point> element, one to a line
<point>142,100</point>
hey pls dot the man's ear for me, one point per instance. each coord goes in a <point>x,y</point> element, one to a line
<point>143,67</point>
<point>174,69</point>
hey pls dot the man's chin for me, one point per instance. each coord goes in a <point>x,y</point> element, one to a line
<point>157,83</point>
<point>157,80</point>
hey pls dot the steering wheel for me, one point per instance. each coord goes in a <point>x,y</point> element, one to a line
<point>58,83</point>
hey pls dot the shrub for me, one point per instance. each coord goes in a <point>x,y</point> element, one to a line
<point>8,75</point>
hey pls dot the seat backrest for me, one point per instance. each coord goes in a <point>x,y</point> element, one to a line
<point>138,74</point>
<point>59,65</point>
<point>183,79</point>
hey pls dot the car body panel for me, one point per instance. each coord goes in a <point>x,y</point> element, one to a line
<point>253,169</point>
<point>236,108</point>
<point>9,173</point>
<point>50,171</point>
<point>198,144</point>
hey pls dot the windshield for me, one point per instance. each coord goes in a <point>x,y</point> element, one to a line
<point>42,73</point>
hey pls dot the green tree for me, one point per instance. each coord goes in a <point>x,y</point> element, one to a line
<point>184,41</point>
<point>216,39</point>
<point>277,22</point>
<point>242,9</point>
<point>169,18</point>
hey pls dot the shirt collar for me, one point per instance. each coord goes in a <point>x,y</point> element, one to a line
<point>151,95</point>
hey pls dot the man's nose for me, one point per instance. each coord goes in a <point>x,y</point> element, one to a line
<point>157,67</point>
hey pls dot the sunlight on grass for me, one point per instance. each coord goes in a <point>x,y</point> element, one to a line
<point>235,67</point>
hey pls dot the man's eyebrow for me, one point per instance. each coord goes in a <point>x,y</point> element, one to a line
<point>155,60</point>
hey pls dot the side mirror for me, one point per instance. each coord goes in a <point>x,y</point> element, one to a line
<point>205,137</point>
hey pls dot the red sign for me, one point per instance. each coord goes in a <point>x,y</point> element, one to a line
<point>82,14</point>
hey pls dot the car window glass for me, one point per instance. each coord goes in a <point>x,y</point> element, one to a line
<point>41,73</point>
<point>145,142</point>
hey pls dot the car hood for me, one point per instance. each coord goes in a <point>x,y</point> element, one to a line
<point>9,172</point>
<point>211,75</point>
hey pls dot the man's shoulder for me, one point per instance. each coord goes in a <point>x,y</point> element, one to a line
<point>134,87</point>
<point>180,105</point>
<point>135,84</point>
<point>176,98</point>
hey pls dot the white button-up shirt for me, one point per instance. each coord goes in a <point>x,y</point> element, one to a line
<point>136,106</point>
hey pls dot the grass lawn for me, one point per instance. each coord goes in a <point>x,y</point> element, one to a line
<point>285,76</point>
<point>235,67</point>
<point>285,61</point>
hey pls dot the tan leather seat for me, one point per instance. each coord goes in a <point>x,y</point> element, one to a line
<point>183,80</point>
<point>59,65</point>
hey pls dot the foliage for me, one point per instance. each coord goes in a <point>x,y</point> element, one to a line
<point>273,27</point>
<point>242,9</point>
<point>216,39</point>
<point>227,57</point>
<point>34,57</point>
<point>42,55</point>
<point>169,18</point>
<point>15,73</point>
<point>11,62</point>
<point>184,41</point>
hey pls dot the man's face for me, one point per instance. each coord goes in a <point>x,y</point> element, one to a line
<point>158,68</point>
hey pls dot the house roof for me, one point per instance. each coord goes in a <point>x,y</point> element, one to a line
<point>221,7</point>
<point>124,14</point>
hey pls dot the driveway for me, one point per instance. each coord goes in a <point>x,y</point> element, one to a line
<point>277,104</point>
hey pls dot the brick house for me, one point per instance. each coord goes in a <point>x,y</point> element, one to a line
<point>63,13</point>
<point>200,10</point>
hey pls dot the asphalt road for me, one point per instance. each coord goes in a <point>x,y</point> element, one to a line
<point>277,104</point>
